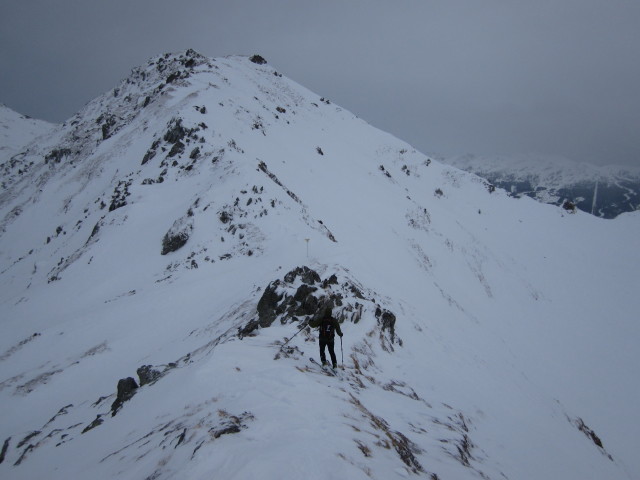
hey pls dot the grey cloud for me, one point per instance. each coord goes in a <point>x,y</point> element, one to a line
<point>451,77</point>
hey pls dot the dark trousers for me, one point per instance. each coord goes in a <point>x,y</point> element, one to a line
<point>328,343</point>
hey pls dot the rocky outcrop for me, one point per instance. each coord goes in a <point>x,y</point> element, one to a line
<point>258,60</point>
<point>387,321</point>
<point>292,299</point>
<point>5,447</point>
<point>177,235</point>
<point>305,274</point>
<point>148,375</point>
<point>268,305</point>
<point>302,294</point>
<point>127,388</point>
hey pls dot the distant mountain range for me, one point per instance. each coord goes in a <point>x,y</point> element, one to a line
<point>604,191</point>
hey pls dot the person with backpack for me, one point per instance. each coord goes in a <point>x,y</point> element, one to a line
<point>328,327</point>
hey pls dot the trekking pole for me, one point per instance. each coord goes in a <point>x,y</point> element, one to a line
<point>301,328</point>
<point>341,353</point>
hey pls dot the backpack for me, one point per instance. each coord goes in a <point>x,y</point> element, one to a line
<point>327,328</point>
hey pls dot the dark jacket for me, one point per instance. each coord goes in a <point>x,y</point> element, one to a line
<point>328,326</point>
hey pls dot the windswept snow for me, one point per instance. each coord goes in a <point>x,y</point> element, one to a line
<point>484,336</point>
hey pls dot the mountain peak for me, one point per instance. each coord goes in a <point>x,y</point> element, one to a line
<point>149,91</point>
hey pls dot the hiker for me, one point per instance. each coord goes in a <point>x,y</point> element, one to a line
<point>328,326</point>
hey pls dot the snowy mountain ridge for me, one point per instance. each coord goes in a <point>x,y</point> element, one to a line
<point>162,252</point>
<point>17,131</point>
<point>605,191</point>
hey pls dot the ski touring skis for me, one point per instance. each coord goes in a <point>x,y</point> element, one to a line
<point>326,369</point>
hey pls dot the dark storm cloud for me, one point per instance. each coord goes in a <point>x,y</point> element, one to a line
<point>447,76</point>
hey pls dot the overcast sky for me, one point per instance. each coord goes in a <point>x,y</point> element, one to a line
<point>450,77</point>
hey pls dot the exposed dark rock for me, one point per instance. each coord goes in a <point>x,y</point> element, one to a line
<point>579,423</point>
<point>263,166</point>
<point>100,400</point>
<point>225,217</point>
<point>257,59</point>
<point>268,308</point>
<point>230,424</point>
<point>107,127</point>
<point>96,229</point>
<point>310,305</point>
<point>148,375</point>
<point>177,235</point>
<point>26,439</point>
<point>178,148</point>
<point>24,455</point>
<point>405,448</point>
<point>257,125</point>
<point>176,131</point>
<point>352,313</point>
<point>386,319</point>
<point>151,152</point>
<point>120,194</point>
<point>304,302</point>
<point>387,322</point>
<point>57,155</point>
<point>569,206</point>
<point>307,275</point>
<point>303,291</point>
<point>62,411</point>
<point>217,433</point>
<point>173,77</point>
<point>249,328</point>
<point>356,291</point>
<point>127,388</point>
<point>171,243</point>
<point>98,421</point>
<point>5,447</point>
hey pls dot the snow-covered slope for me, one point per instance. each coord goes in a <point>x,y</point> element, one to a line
<point>604,191</point>
<point>17,131</point>
<point>182,227</point>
